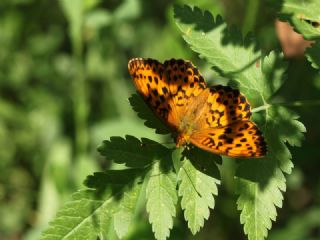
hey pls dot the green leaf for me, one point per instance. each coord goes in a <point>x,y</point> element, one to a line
<point>304,16</point>
<point>231,55</point>
<point>197,188</point>
<point>259,182</point>
<point>259,185</point>
<point>313,55</point>
<point>131,151</point>
<point>161,198</point>
<point>90,212</point>
<point>145,113</point>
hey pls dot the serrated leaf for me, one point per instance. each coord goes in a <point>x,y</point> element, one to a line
<point>259,185</point>
<point>161,199</point>
<point>78,218</point>
<point>145,113</point>
<point>131,151</point>
<point>313,55</point>
<point>260,182</point>
<point>197,188</point>
<point>281,126</point>
<point>102,180</point>
<point>231,55</point>
<point>90,212</point>
<point>304,16</point>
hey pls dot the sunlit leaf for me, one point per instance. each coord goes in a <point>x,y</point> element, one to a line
<point>198,185</point>
<point>161,199</point>
<point>90,212</point>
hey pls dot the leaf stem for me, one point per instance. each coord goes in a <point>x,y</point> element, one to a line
<point>261,108</point>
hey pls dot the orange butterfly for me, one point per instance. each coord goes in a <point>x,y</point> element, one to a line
<point>216,119</point>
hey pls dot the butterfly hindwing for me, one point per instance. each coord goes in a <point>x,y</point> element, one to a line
<point>224,106</point>
<point>239,139</point>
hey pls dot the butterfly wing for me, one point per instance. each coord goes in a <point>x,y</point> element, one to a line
<point>223,106</point>
<point>225,127</point>
<point>151,82</point>
<point>238,139</point>
<point>185,83</point>
<point>167,88</point>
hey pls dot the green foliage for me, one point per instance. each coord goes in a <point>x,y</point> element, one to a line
<point>299,227</point>
<point>64,87</point>
<point>259,185</point>
<point>115,194</point>
<point>313,54</point>
<point>131,151</point>
<point>145,113</point>
<point>258,77</point>
<point>197,188</point>
<point>303,16</point>
<point>213,40</point>
<point>161,199</point>
<point>90,212</point>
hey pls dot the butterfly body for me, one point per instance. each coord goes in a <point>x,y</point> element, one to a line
<point>189,122</point>
<point>216,119</point>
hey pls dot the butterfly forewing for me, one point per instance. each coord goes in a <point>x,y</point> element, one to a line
<point>185,83</point>
<point>151,82</point>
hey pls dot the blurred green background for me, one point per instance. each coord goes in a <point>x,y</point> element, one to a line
<point>64,87</point>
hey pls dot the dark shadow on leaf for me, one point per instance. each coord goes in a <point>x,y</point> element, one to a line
<point>114,180</point>
<point>203,161</point>
<point>145,113</point>
<point>112,185</point>
<point>270,73</point>
<point>233,36</point>
<point>201,20</point>
<point>258,171</point>
<point>131,151</point>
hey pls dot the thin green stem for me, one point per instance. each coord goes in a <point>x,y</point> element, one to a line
<point>261,108</point>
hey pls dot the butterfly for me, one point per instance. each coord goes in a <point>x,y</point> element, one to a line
<point>215,119</point>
